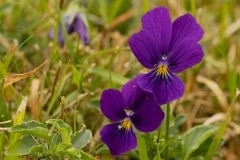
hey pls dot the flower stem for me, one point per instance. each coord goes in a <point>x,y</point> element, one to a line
<point>142,147</point>
<point>167,130</point>
<point>157,147</point>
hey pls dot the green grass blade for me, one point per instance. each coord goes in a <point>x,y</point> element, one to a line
<point>57,90</point>
<point>193,7</point>
<point>66,37</point>
<point>142,148</point>
<point>216,141</point>
<point>145,5</point>
<point>114,76</point>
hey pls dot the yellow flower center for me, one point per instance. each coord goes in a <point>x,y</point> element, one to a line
<point>125,124</point>
<point>162,70</point>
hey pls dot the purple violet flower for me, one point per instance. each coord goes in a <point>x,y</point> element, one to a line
<point>166,48</point>
<point>131,106</point>
<point>76,25</point>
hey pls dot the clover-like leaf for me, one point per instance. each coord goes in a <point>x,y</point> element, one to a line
<point>33,128</point>
<point>81,138</point>
<point>195,137</point>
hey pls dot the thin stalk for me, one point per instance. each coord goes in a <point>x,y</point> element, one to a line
<point>216,141</point>
<point>61,4</point>
<point>158,153</point>
<point>142,147</point>
<point>167,130</point>
<point>157,147</point>
<point>193,7</point>
<point>1,143</point>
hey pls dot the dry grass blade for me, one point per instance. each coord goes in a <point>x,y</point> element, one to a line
<point>34,100</point>
<point>234,27</point>
<point>5,128</point>
<point>218,117</point>
<point>4,41</point>
<point>22,107</point>
<point>120,19</point>
<point>12,47</point>
<point>216,90</point>
<point>17,77</point>
<point>5,122</point>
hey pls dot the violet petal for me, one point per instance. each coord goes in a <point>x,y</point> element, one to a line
<point>170,89</point>
<point>60,37</point>
<point>185,27</point>
<point>118,140</point>
<point>146,81</point>
<point>185,55</point>
<point>112,105</point>
<point>164,89</point>
<point>81,29</point>
<point>145,48</point>
<point>134,96</point>
<point>148,117</point>
<point>61,40</point>
<point>158,22</point>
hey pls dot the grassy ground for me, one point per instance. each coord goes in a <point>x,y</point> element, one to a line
<point>70,83</point>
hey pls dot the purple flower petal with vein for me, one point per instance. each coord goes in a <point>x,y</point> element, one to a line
<point>166,48</point>
<point>127,108</point>
<point>77,25</point>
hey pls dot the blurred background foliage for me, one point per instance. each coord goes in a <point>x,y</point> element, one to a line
<point>108,62</point>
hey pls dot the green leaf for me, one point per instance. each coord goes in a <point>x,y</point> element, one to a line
<point>18,119</point>
<point>203,148</point>
<point>81,138</point>
<point>21,146</point>
<point>195,137</point>
<point>65,150</point>
<point>63,128</point>
<point>37,149</point>
<point>73,152</point>
<point>62,147</point>
<point>33,128</point>
<point>179,120</point>
<point>57,139</point>
<point>85,156</point>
